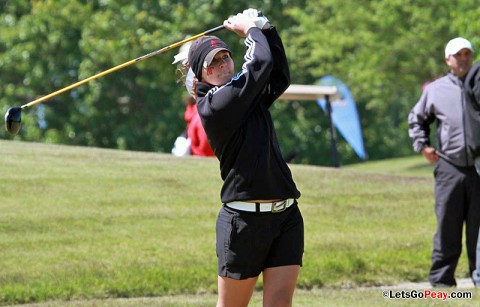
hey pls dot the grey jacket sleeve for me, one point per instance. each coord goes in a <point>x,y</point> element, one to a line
<point>419,120</point>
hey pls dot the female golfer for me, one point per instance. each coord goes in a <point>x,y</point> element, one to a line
<point>259,227</point>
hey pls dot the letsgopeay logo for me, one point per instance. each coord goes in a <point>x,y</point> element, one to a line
<point>426,294</point>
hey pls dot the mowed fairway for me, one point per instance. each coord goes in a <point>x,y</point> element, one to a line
<point>91,226</point>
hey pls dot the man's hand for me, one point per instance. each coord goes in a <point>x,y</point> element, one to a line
<point>239,24</point>
<point>430,154</point>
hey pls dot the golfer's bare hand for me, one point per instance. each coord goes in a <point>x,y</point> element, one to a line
<point>239,24</point>
<point>430,154</point>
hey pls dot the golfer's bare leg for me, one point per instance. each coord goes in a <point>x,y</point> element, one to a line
<point>279,284</point>
<point>233,293</point>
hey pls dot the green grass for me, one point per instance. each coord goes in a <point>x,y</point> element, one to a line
<point>324,297</point>
<point>407,166</point>
<point>83,224</point>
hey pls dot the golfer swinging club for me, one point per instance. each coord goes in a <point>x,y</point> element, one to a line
<point>259,227</point>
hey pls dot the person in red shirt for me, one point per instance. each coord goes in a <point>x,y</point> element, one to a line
<point>194,133</point>
<point>199,145</point>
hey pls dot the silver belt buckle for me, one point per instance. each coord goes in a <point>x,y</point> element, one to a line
<point>279,206</point>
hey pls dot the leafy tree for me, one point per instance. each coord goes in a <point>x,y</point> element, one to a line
<point>383,50</point>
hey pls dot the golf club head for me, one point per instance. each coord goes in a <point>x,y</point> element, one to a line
<point>13,120</point>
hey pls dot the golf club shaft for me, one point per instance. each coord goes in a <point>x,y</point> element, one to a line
<point>118,67</point>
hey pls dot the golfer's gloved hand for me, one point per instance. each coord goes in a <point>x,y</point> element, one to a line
<point>253,14</point>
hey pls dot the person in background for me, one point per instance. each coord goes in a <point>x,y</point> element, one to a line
<point>259,227</point>
<point>195,133</point>
<point>457,184</point>
<point>193,141</point>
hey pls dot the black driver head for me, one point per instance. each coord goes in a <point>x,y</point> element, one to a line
<point>13,120</point>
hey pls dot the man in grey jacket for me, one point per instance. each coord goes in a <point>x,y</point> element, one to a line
<point>457,184</point>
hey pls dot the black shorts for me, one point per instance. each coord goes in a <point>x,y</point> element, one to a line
<point>249,242</point>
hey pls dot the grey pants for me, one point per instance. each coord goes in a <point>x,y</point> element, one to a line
<point>457,201</point>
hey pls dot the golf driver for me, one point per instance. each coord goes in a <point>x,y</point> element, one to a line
<point>13,117</point>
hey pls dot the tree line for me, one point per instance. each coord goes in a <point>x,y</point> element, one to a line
<point>383,50</point>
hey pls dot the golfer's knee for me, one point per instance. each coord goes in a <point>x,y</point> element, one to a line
<point>278,300</point>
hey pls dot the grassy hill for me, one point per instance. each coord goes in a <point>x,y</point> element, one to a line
<point>407,166</point>
<point>80,223</point>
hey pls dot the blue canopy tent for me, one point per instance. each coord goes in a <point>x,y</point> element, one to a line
<point>335,99</point>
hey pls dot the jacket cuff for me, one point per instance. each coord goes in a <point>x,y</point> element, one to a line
<point>418,147</point>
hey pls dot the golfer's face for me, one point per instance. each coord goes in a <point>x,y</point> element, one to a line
<point>221,70</point>
<point>461,62</point>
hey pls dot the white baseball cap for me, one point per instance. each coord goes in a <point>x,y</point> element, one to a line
<point>457,44</point>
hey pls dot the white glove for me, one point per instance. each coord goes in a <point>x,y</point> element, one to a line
<point>257,17</point>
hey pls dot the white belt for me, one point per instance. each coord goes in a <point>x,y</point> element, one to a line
<point>276,206</point>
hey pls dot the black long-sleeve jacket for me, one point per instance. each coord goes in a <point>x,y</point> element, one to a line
<point>239,126</point>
